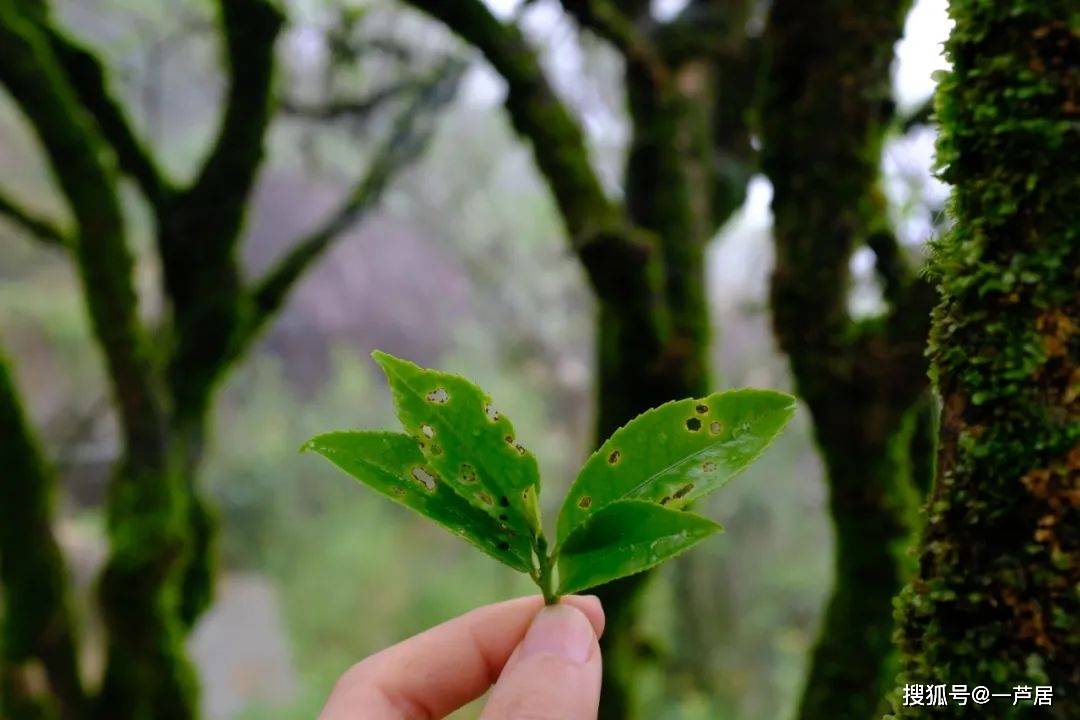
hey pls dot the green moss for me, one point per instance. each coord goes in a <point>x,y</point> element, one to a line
<point>644,260</point>
<point>825,112</point>
<point>995,598</point>
<point>36,625</point>
<point>146,675</point>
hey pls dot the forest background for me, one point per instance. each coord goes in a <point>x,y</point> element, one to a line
<point>462,264</point>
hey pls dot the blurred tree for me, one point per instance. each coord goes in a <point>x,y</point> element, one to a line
<point>688,83</point>
<point>159,573</point>
<point>995,598</point>
<point>825,113</point>
<point>31,580</point>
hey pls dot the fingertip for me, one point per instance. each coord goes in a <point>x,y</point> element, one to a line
<point>562,630</point>
<point>591,607</point>
<point>555,671</point>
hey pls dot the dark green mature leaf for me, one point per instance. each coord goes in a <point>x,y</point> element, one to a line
<point>391,463</point>
<point>624,538</point>
<point>469,443</point>
<point>677,452</point>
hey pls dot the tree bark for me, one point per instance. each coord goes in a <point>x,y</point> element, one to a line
<point>825,113</point>
<point>994,601</point>
<point>686,173</point>
<point>147,673</point>
<point>158,578</point>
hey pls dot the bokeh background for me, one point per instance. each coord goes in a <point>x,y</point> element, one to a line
<point>464,266</point>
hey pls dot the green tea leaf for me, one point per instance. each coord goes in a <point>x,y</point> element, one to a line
<point>677,452</point>
<point>624,538</point>
<point>469,443</point>
<point>391,463</point>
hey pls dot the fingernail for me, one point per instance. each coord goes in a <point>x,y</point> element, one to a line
<point>559,630</point>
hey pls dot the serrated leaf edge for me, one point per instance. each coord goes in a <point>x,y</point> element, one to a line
<point>377,356</point>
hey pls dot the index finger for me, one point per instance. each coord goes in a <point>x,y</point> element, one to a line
<point>434,673</point>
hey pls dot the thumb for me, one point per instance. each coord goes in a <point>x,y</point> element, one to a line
<point>554,673</point>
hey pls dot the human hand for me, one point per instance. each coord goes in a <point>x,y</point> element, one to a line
<point>544,662</point>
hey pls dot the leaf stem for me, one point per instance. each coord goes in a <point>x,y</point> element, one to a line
<point>544,577</point>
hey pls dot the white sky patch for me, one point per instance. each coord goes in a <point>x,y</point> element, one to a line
<point>664,10</point>
<point>919,54</point>
<point>503,9</point>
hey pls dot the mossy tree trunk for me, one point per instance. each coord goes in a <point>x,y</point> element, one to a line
<point>37,624</point>
<point>825,113</point>
<point>995,599</point>
<point>158,577</point>
<point>146,670</point>
<point>688,83</point>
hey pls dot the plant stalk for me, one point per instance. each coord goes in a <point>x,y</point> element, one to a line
<point>544,577</point>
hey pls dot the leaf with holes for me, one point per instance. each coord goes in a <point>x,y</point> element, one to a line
<point>391,463</point>
<point>624,538</point>
<point>677,452</point>
<point>462,465</point>
<point>471,445</point>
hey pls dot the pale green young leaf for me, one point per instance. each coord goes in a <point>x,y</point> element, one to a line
<point>471,445</point>
<point>678,452</point>
<point>624,538</point>
<point>391,463</point>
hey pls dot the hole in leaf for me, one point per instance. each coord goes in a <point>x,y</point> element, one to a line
<point>693,424</point>
<point>438,395</point>
<point>491,412</point>
<point>683,491</point>
<point>614,457</point>
<point>484,498</point>
<point>708,467</point>
<point>429,432</point>
<point>423,477</point>
<point>584,502</point>
<point>504,501</point>
<point>702,409</point>
<point>715,427</point>
<point>468,474</point>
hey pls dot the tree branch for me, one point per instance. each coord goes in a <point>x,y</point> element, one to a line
<point>36,81</point>
<point>39,228</point>
<point>620,259</point>
<point>359,109</point>
<point>606,20</point>
<point>88,77</point>
<point>137,588</point>
<point>200,228</point>
<point>412,131</point>
<point>219,193</point>
<point>860,379</point>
